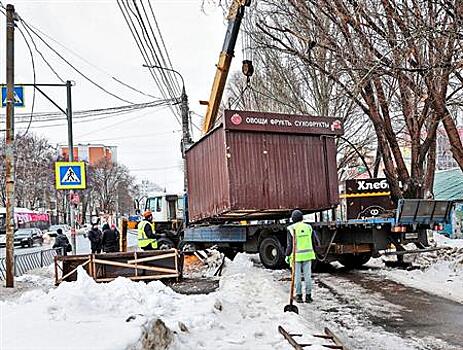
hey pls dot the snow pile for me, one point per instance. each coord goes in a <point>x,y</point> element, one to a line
<point>244,313</point>
<point>440,272</point>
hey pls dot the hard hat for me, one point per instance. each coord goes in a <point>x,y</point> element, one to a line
<point>296,215</point>
<point>147,214</point>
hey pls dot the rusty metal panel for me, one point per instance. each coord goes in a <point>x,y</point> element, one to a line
<point>208,189</point>
<point>262,171</point>
<point>273,173</point>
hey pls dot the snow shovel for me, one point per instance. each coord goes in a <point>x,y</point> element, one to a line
<point>290,307</point>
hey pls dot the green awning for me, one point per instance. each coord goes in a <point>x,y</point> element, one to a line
<point>448,184</point>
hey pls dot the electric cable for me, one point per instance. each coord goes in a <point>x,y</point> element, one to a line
<point>128,14</point>
<point>71,65</point>
<point>92,64</point>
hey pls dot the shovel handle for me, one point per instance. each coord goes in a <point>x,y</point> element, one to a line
<point>293,267</point>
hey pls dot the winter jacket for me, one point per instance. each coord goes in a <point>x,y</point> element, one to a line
<point>61,241</point>
<point>110,241</point>
<point>95,235</point>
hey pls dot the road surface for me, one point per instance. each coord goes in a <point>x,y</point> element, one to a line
<point>352,301</point>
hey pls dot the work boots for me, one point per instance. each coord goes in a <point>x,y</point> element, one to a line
<point>308,298</point>
<point>298,298</point>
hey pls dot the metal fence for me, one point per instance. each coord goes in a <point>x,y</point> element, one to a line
<point>29,261</point>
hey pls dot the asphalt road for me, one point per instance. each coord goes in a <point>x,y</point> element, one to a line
<point>368,300</point>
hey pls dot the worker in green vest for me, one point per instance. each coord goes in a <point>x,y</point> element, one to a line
<point>146,232</point>
<point>305,253</point>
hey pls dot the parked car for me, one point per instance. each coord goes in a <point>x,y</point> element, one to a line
<point>28,237</point>
<point>53,228</point>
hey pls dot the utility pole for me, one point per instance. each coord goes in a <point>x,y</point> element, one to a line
<point>186,137</point>
<point>71,159</point>
<point>9,146</point>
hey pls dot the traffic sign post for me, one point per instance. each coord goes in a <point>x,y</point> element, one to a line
<point>70,176</point>
<point>18,96</point>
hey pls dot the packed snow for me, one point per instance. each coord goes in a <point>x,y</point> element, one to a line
<point>244,313</point>
<point>438,272</point>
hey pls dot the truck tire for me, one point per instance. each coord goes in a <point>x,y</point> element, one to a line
<point>186,246</point>
<point>271,253</point>
<point>351,261</point>
<point>165,244</point>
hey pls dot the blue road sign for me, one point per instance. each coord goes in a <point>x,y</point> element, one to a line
<point>70,175</point>
<point>18,95</point>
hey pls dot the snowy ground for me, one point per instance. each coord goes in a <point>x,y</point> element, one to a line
<point>439,272</point>
<point>244,313</point>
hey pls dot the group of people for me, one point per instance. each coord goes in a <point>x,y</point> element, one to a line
<point>106,239</point>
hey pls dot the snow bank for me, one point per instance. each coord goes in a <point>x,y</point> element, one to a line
<point>244,313</point>
<point>439,273</point>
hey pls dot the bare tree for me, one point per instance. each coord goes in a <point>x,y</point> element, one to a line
<point>111,184</point>
<point>33,172</point>
<point>397,62</point>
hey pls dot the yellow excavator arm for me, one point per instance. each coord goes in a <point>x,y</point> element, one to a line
<point>235,15</point>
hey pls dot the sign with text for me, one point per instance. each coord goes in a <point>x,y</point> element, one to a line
<point>282,123</point>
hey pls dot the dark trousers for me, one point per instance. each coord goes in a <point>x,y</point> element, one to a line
<point>96,248</point>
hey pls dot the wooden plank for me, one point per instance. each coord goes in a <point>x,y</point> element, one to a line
<point>137,278</point>
<point>152,258</point>
<point>130,266</point>
<point>73,270</point>
<point>335,339</point>
<point>56,270</point>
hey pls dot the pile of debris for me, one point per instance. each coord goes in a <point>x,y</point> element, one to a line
<point>205,263</point>
<point>451,255</point>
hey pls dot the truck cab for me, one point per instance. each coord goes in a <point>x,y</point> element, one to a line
<point>168,212</point>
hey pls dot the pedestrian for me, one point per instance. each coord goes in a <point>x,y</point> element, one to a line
<point>61,241</point>
<point>146,232</point>
<point>95,235</point>
<point>110,240</point>
<point>302,233</point>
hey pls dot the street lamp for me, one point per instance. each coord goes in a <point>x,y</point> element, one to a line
<point>186,137</point>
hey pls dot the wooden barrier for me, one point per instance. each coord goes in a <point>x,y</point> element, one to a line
<point>149,265</point>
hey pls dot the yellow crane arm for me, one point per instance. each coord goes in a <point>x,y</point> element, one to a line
<point>235,15</point>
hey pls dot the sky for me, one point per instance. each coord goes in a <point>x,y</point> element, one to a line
<point>148,140</point>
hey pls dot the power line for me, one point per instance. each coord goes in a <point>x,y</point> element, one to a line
<point>72,66</point>
<point>42,56</point>
<point>93,65</point>
<point>152,54</point>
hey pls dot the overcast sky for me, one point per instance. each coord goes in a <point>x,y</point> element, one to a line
<point>147,140</point>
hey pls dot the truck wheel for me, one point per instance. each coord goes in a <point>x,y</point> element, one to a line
<point>186,246</point>
<point>352,261</point>
<point>165,244</point>
<point>271,253</point>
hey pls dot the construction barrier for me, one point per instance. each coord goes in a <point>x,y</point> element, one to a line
<point>137,266</point>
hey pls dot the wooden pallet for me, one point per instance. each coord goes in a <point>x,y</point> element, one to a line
<point>137,266</point>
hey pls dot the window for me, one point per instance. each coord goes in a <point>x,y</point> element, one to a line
<point>155,204</point>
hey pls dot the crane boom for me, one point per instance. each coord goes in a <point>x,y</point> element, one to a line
<point>235,15</point>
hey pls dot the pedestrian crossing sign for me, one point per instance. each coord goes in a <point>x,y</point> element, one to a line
<point>70,175</point>
<point>18,96</point>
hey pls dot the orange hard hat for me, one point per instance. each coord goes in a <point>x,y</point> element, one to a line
<point>147,214</point>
